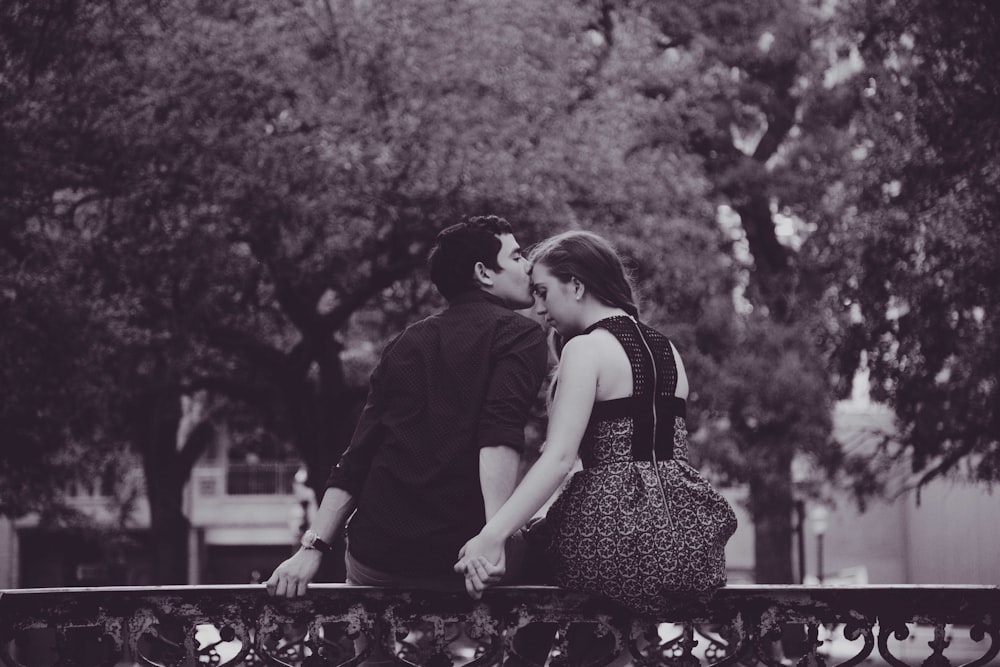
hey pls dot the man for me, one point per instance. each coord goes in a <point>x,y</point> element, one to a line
<point>437,447</point>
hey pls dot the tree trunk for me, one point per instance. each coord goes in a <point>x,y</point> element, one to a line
<point>165,480</point>
<point>771,281</point>
<point>772,505</point>
<point>324,415</point>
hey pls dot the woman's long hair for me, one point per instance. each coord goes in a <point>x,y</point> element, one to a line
<point>594,263</point>
<point>590,259</point>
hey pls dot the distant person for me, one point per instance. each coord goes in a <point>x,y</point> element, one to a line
<point>437,448</point>
<point>637,521</point>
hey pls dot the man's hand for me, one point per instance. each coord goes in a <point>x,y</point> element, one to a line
<point>483,562</point>
<point>292,576</point>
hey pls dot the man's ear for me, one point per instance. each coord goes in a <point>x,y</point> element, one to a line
<point>482,275</point>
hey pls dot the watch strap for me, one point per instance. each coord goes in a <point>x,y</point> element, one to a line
<point>313,541</point>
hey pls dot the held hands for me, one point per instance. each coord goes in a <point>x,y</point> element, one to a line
<point>483,562</point>
<point>291,577</point>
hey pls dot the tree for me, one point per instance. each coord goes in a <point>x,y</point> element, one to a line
<point>243,195</point>
<point>742,91</point>
<point>49,404</point>
<point>252,188</point>
<point>922,231</point>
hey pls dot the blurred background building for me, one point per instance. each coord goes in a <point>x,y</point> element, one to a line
<point>246,516</point>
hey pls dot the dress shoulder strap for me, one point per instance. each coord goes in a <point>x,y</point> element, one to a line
<point>624,329</point>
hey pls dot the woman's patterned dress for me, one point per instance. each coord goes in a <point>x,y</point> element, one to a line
<point>610,532</point>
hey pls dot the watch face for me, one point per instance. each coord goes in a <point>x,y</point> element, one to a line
<point>308,539</point>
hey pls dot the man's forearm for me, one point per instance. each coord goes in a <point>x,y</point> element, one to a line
<point>498,476</point>
<point>333,512</point>
<point>291,578</point>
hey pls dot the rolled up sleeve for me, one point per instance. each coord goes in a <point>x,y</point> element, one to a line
<point>352,469</point>
<point>518,371</point>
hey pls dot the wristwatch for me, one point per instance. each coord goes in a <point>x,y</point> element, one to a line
<point>310,540</point>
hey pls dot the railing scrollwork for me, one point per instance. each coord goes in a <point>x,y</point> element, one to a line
<point>346,626</point>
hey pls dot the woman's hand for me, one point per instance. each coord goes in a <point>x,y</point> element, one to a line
<point>483,562</point>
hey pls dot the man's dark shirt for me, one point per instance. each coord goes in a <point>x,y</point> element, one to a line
<point>448,385</point>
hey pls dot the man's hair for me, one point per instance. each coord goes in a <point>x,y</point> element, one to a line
<point>457,249</point>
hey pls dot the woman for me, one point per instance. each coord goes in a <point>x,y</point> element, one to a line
<point>637,520</point>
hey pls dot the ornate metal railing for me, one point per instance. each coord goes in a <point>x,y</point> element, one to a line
<point>346,625</point>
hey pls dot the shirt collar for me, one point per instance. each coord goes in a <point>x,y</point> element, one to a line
<point>475,295</point>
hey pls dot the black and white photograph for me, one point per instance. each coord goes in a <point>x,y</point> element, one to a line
<point>500,333</point>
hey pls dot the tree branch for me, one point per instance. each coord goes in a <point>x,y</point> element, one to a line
<point>235,388</point>
<point>239,342</point>
<point>195,445</point>
<point>381,279</point>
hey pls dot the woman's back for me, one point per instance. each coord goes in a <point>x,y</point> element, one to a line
<point>622,422</point>
<point>601,539</point>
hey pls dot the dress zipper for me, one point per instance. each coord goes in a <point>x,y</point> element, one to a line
<point>656,466</point>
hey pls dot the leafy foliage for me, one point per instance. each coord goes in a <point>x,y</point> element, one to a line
<point>235,199</point>
<point>227,187</point>
<point>926,240</point>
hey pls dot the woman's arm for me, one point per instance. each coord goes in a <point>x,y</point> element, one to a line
<point>682,378</point>
<point>568,417</point>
